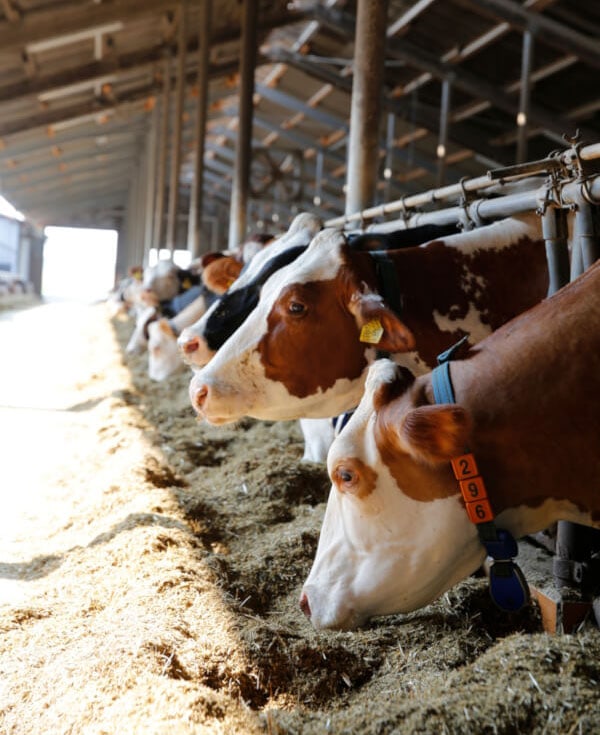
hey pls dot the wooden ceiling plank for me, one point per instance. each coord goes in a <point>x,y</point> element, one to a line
<point>72,17</point>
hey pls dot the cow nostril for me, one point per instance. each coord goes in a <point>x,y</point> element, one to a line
<point>191,345</point>
<point>200,397</point>
<point>304,606</point>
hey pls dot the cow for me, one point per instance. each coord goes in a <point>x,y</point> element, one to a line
<point>397,533</point>
<point>163,354</point>
<point>201,342</point>
<point>304,350</point>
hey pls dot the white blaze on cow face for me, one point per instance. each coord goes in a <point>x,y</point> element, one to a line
<point>235,380</point>
<point>380,550</point>
<point>192,343</point>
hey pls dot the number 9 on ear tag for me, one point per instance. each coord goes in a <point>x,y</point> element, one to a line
<point>371,332</point>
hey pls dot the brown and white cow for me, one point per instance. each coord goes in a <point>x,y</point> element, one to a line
<point>164,357</point>
<point>396,533</point>
<point>299,353</point>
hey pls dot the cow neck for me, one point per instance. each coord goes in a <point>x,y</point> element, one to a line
<point>508,587</point>
<point>387,284</point>
<point>387,279</point>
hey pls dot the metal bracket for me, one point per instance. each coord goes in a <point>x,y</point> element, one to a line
<point>582,169</point>
<point>404,213</point>
<point>466,222</point>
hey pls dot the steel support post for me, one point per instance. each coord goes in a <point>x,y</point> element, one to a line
<point>158,238</point>
<point>525,95</point>
<point>388,170</point>
<point>442,148</point>
<point>151,151</point>
<point>243,152</point>
<point>177,125</point>
<point>318,179</point>
<point>365,110</point>
<point>554,228</point>
<point>202,82</point>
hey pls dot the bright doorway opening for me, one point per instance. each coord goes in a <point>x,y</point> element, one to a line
<point>79,263</point>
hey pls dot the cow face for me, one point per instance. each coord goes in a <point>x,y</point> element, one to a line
<point>163,356</point>
<point>395,534</point>
<point>299,354</point>
<point>162,280</point>
<point>200,342</point>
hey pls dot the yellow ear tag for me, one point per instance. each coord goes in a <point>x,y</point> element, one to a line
<point>372,332</point>
<point>186,283</point>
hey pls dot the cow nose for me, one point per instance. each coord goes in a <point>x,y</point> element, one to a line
<point>304,606</point>
<point>199,395</point>
<point>189,343</point>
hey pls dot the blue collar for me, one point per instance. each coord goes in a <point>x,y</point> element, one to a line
<point>508,587</point>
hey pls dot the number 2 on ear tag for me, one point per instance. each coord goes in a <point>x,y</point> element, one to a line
<point>371,332</point>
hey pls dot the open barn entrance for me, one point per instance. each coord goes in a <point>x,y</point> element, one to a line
<point>79,263</point>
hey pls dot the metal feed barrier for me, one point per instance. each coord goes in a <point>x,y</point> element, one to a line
<point>563,189</point>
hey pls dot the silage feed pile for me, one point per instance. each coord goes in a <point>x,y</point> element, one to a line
<point>151,565</point>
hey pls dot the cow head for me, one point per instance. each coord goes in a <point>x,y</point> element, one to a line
<point>395,534</point>
<point>162,280</point>
<point>199,342</point>
<point>299,352</point>
<point>163,356</point>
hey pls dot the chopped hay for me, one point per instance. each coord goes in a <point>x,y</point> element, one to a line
<point>155,587</point>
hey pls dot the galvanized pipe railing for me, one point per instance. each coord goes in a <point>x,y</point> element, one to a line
<point>496,208</point>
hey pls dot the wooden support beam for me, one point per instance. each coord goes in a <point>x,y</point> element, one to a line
<point>365,108</point>
<point>93,107</point>
<point>72,17</point>
<point>241,188</point>
<point>462,134</point>
<point>197,191</point>
<point>550,31</point>
<point>554,125</point>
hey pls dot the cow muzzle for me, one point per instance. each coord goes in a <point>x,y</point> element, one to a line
<point>209,402</point>
<point>193,349</point>
<point>326,612</point>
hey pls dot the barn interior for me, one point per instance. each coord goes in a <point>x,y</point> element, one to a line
<point>102,107</point>
<point>191,125</point>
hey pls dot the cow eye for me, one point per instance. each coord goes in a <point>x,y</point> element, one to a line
<point>296,308</point>
<point>346,478</point>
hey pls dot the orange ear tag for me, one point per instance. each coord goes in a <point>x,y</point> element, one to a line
<point>186,283</point>
<point>371,332</point>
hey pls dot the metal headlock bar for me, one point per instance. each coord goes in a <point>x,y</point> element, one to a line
<point>558,188</point>
<point>501,206</point>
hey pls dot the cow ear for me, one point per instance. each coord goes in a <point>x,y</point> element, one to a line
<point>220,274</point>
<point>435,434</point>
<point>164,326</point>
<point>379,325</point>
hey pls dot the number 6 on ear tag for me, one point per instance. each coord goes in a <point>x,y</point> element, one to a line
<point>371,332</point>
